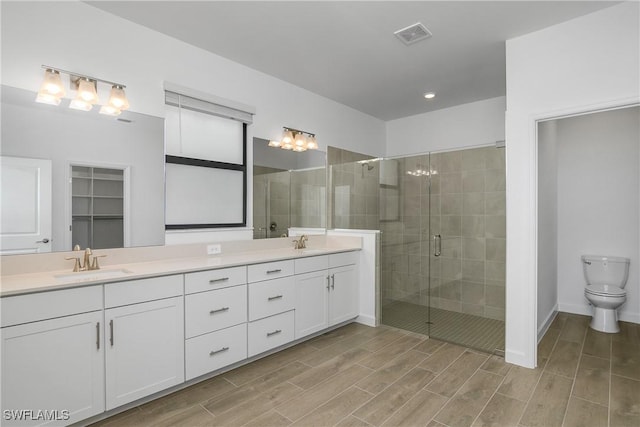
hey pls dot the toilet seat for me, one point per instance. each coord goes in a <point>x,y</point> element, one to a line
<point>605,291</point>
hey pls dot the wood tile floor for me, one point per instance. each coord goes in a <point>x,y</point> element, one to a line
<point>361,376</point>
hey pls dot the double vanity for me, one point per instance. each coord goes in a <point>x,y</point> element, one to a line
<point>79,344</point>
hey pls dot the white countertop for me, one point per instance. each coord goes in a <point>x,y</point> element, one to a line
<point>61,279</point>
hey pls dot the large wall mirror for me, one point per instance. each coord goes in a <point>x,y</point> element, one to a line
<point>97,180</point>
<point>289,190</point>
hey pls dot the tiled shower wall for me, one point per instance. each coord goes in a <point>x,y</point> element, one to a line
<point>309,198</point>
<point>354,199</point>
<point>466,206</point>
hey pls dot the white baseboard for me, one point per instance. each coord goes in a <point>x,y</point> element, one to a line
<point>547,322</point>
<point>366,320</point>
<point>586,310</point>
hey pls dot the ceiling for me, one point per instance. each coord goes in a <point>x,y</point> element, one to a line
<point>346,51</point>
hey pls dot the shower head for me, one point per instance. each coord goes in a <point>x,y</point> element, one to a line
<point>369,166</point>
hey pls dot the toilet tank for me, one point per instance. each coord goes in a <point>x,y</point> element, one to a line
<point>605,270</point>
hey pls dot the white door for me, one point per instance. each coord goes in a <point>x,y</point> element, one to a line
<point>54,365</point>
<point>25,205</point>
<point>144,349</point>
<point>343,298</point>
<point>312,296</point>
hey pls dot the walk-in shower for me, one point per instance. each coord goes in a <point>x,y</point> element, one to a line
<point>443,245</point>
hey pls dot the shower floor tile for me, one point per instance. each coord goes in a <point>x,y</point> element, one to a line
<point>460,328</point>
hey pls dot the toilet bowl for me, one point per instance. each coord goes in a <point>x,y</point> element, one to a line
<point>606,278</point>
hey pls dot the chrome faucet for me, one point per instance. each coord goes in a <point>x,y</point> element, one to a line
<point>87,263</point>
<point>301,243</point>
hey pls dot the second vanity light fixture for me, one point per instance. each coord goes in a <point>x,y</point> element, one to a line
<point>296,140</point>
<point>52,91</point>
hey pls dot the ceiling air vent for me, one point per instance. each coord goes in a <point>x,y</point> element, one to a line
<point>413,33</point>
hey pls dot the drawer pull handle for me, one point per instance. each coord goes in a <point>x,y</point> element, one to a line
<point>222,279</point>
<point>277,270</point>
<point>222,350</point>
<point>274,298</point>
<point>98,335</point>
<point>276,332</point>
<point>220,310</point>
<point>111,332</point>
<point>333,281</point>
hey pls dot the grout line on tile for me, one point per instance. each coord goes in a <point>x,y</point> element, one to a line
<point>575,376</point>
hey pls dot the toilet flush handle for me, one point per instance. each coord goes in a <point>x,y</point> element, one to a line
<point>587,262</point>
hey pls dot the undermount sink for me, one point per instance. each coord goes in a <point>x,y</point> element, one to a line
<point>93,275</point>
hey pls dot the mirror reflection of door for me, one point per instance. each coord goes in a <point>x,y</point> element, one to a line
<point>25,209</point>
<point>98,207</point>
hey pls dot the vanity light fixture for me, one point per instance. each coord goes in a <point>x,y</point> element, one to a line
<point>296,140</point>
<point>52,91</point>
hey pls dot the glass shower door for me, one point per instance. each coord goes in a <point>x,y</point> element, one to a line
<point>463,191</point>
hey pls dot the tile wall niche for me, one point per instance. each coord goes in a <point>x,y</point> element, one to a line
<point>465,202</point>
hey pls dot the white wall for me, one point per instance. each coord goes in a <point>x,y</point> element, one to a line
<point>462,126</point>
<point>547,226</point>
<point>583,64</point>
<point>598,201</point>
<point>81,38</point>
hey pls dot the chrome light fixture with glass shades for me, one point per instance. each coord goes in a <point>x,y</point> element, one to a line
<point>52,91</point>
<point>295,140</point>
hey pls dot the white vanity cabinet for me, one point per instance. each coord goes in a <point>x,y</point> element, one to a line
<point>53,356</point>
<point>215,320</point>
<point>326,291</point>
<point>144,338</point>
<point>271,305</point>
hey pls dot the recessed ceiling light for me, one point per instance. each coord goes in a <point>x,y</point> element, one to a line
<point>429,95</point>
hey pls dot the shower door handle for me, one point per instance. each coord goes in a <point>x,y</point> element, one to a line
<point>437,245</point>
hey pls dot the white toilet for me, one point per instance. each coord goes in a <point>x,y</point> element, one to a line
<point>606,278</point>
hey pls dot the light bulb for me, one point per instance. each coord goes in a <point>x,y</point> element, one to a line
<point>312,144</point>
<point>301,141</point>
<point>87,91</point>
<point>52,83</point>
<point>287,137</point>
<point>117,98</point>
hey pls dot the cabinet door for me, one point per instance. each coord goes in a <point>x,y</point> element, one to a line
<point>54,365</point>
<point>144,349</point>
<point>343,297</point>
<point>312,296</point>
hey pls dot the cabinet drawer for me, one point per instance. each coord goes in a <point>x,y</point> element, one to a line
<point>314,263</point>
<point>214,279</point>
<point>343,258</point>
<point>270,333</point>
<point>270,270</point>
<point>215,350</point>
<point>271,297</point>
<point>210,311</point>
<point>136,291</point>
<point>48,305</point>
